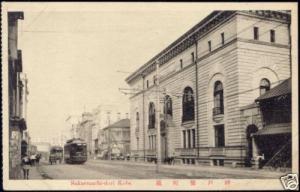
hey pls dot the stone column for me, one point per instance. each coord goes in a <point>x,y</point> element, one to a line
<point>255,151</point>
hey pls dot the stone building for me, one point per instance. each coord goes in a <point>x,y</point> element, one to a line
<point>206,77</point>
<point>115,139</point>
<point>103,116</point>
<point>85,130</point>
<point>17,122</point>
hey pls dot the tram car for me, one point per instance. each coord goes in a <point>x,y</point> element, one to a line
<point>56,154</point>
<point>75,151</point>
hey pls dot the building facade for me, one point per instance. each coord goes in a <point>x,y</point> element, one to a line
<point>42,148</point>
<point>103,116</point>
<point>85,131</point>
<point>115,139</point>
<point>206,77</point>
<point>17,121</point>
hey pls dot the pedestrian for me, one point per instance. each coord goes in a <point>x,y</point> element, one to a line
<point>259,160</point>
<point>32,159</point>
<point>38,157</point>
<point>25,166</point>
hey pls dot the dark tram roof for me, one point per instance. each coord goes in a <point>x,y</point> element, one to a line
<point>75,140</point>
<point>56,147</point>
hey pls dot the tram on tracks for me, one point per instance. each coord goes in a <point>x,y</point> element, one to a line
<point>56,154</point>
<point>75,151</point>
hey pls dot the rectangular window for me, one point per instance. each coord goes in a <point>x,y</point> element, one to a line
<point>137,143</point>
<point>181,64</point>
<point>209,46</point>
<point>184,140</point>
<point>154,141</point>
<point>189,138</point>
<point>154,79</point>
<point>193,57</point>
<point>222,39</point>
<point>193,161</point>
<point>219,136</point>
<point>255,33</point>
<point>149,142</point>
<point>272,36</point>
<point>194,138</point>
<point>147,83</point>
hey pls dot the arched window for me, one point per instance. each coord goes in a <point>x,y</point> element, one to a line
<point>151,115</point>
<point>218,99</point>
<point>264,86</point>
<point>168,106</point>
<point>188,105</point>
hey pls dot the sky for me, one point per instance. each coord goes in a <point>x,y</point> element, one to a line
<point>72,53</point>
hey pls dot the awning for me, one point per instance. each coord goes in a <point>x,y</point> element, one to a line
<point>283,128</point>
<point>283,88</point>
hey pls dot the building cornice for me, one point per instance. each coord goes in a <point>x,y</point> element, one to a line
<point>165,78</point>
<point>197,32</point>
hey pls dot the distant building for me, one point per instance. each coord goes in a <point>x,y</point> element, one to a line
<point>115,139</point>
<point>85,128</point>
<point>17,122</point>
<point>103,116</point>
<point>43,148</point>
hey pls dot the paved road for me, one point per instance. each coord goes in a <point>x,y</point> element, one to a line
<point>94,169</point>
<point>100,170</point>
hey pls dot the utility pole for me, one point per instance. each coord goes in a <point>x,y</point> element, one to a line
<point>109,143</point>
<point>158,149</point>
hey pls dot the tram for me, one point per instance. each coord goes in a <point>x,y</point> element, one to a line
<point>75,151</point>
<point>56,154</point>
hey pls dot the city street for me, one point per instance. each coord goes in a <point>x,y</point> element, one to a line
<point>103,170</point>
<point>100,169</point>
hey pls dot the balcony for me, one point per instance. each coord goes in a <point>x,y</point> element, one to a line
<point>230,151</point>
<point>151,152</point>
<point>137,153</point>
<point>218,111</point>
<point>186,151</point>
<point>218,151</point>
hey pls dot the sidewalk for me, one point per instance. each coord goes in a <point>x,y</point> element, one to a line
<point>197,170</point>
<point>34,173</point>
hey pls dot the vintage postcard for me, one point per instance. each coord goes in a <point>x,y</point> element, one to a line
<point>149,96</point>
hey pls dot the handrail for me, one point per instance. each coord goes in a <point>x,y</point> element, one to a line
<point>278,152</point>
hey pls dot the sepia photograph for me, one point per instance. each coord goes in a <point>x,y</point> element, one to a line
<point>149,96</point>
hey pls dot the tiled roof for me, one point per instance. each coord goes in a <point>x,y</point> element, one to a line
<point>121,123</point>
<point>283,88</point>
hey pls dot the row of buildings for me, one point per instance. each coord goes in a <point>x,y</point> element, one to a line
<point>19,138</point>
<point>220,94</point>
<point>105,129</point>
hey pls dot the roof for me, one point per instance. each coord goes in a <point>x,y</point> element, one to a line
<point>209,21</point>
<point>283,88</point>
<point>121,123</point>
<point>282,128</point>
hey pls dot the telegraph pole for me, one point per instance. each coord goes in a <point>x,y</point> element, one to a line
<point>158,149</point>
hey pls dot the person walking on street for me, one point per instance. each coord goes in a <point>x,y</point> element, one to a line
<point>38,157</point>
<point>25,166</point>
<point>32,159</point>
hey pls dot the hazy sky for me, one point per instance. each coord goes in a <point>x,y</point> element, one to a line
<point>72,52</point>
